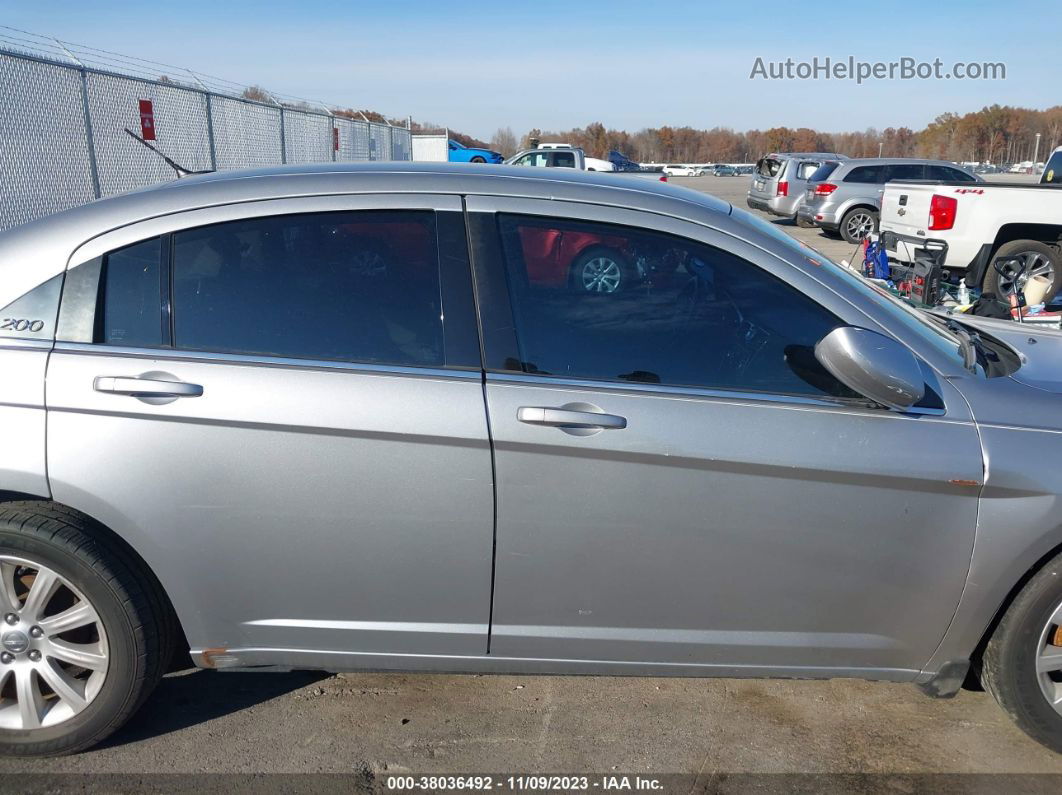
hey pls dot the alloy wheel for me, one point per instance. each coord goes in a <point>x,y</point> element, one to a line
<point>1036,264</point>
<point>1049,660</point>
<point>601,275</point>
<point>53,647</point>
<point>859,225</point>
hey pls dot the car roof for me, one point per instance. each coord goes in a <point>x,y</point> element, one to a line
<point>34,252</point>
<point>878,161</point>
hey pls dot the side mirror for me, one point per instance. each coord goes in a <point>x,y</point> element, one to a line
<point>875,366</point>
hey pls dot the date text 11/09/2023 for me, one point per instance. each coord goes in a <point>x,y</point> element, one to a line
<point>525,783</point>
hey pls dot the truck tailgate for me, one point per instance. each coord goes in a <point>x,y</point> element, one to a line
<point>905,209</point>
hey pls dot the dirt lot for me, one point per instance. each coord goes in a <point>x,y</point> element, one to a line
<point>385,723</point>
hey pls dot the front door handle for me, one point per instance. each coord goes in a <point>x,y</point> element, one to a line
<point>568,418</point>
<point>145,387</point>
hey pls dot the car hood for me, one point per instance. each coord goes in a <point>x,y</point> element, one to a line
<point>1040,350</point>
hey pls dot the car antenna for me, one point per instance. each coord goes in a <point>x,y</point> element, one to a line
<point>181,171</point>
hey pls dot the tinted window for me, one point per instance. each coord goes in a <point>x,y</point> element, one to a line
<point>866,174</point>
<point>1053,169</point>
<point>131,296</point>
<point>564,159</point>
<point>905,171</point>
<point>948,174</point>
<point>356,286</point>
<point>823,172</point>
<point>613,303</point>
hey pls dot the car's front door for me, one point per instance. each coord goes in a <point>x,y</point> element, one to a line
<point>289,430</point>
<point>679,482</point>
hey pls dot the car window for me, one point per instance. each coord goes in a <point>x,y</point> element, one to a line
<point>947,174</point>
<point>1053,169</point>
<point>866,174</point>
<point>345,286</point>
<point>806,169</point>
<point>905,171</point>
<point>131,296</point>
<point>768,167</point>
<point>823,172</point>
<point>564,159</point>
<point>596,301</point>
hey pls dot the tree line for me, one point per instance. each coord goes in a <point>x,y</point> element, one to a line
<point>996,134</point>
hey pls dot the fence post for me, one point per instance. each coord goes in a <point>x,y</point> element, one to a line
<point>93,170</point>
<point>283,140</point>
<point>209,120</point>
<point>90,140</point>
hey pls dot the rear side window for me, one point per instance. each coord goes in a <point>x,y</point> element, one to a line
<point>806,169</point>
<point>131,313</point>
<point>948,174</point>
<point>344,286</point>
<point>866,175</point>
<point>823,172</point>
<point>905,171</point>
<point>564,159</point>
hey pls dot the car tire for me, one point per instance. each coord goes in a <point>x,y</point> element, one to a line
<point>1046,260</point>
<point>601,270</point>
<point>1012,659</point>
<point>857,223</point>
<point>98,607</point>
<point>478,159</point>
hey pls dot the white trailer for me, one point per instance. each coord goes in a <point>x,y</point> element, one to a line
<point>432,148</point>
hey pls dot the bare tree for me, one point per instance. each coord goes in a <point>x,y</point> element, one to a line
<point>257,93</point>
<point>504,141</point>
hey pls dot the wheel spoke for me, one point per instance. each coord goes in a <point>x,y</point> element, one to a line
<point>44,584</point>
<point>67,688</point>
<point>9,602</point>
<point>83,655</point>
<point>1050,659</point>
<point>30,699</point>
<point>80,615</point>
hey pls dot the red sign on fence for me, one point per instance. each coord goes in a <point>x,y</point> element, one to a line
<point>335,138</point>
<point>147,120</point>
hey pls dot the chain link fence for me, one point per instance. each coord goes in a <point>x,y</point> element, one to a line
<point>63,140</point>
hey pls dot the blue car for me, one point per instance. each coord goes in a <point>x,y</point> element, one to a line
<point>459,153</point>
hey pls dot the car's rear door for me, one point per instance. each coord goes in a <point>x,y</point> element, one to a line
<point>679,482</point>
<point>279,404</point>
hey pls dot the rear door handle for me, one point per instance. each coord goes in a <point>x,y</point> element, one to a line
<point>145,387</point>
<point>567,418</point>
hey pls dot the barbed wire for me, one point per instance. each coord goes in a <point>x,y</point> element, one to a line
<point>50,48</point>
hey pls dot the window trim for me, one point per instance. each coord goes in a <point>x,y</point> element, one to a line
<point>461,343</point>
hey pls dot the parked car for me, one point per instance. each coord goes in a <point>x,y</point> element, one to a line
<point>754,464</point>
<point>575,158</point>
<point>1017,224</point>
<point>780,179</point>
<point>724,171</point>
<point>680,171</point>
<point>744,171</point>
<point>459,153</point>
<point>844,197</point>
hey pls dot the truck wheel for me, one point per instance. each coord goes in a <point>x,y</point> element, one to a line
<point>858,223</point>
<point>1042,260</point>
<point>477,159</point>
<point>601,270</point>
<point>1022,664</point>
<point>83,638</point>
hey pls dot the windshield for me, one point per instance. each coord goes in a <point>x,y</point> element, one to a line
<point>768,167</point>
<point>918,322</point>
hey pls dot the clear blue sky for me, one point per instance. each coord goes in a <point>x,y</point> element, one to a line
<point>477,66</point>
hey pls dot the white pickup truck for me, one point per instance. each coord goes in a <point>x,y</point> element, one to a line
<point>980,224</point>
<point>563,156</point>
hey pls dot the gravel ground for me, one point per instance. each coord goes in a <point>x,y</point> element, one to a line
<point>376,724</point>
